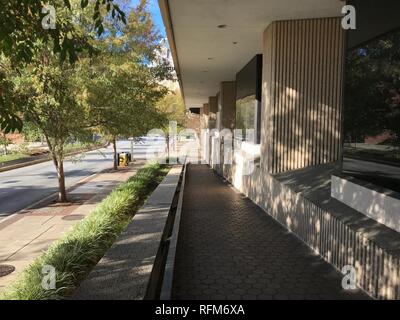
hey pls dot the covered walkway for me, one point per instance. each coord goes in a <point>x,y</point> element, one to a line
<point>229,248</point>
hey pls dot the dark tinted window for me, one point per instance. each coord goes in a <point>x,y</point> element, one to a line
<point>248,99</point>
<point>195,110</point>
<point>372,112</point>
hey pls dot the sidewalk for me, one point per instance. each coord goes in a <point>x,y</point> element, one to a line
<point>26,235</point>
<point>228,248</point>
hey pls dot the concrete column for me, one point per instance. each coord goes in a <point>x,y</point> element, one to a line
<point>227,105</point>
<point>204,118</point>
<point>206,109</point>
<point>213,104</point>
<point>226,123</point>
<point>218,113</point>
<point>302,93</point>
<point>213,108</point>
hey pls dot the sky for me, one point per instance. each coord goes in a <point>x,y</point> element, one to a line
<point>155,13</point>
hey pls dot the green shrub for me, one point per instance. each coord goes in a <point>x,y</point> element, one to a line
<point>75,254</point>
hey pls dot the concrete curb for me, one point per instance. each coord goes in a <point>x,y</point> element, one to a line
<point>168,277</point>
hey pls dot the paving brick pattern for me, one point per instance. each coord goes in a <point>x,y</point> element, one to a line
<point>229,248</point>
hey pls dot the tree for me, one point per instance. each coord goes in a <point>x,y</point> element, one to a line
<point>21,31</point>
<point>173,106</point>
<point>124,84</point>
<point>31,132</point>
<point>9,108</point>
<point>21,26</point>
<point>122,99</point>
<point>114,91</point>
<point>52,102</point>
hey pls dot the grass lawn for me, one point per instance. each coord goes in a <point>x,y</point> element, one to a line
<point>12,156</point>
<point>78,251</point>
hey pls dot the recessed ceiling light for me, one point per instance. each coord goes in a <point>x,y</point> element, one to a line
<point>222,26</point>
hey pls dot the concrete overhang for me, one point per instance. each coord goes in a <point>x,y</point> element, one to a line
<point>211,40</point>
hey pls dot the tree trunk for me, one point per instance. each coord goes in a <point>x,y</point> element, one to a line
<point>59,164</point>
<point>114,141</point>
<point>62,194</point>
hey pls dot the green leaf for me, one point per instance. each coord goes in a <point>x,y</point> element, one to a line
<point>100,30</point>
<point>96,15</point>
<point>84,3</point>
<point>67,4</point>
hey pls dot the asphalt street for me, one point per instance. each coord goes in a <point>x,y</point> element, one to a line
<point>22,187</point>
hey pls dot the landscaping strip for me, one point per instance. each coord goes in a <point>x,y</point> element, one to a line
<point>133,268</point>
<point>74,256</point>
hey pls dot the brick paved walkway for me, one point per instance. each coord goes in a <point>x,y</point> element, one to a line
<point>229,248</point>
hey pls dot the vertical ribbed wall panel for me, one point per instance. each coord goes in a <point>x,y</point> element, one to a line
<point>303,92</point>
<point>377,271</point>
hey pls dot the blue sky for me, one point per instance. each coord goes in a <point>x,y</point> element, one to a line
<point>156,14</point>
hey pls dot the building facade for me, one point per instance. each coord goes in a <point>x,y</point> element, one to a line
<point>270,80</point>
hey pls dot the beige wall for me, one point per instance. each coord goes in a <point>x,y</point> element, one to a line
<point>302,92</point>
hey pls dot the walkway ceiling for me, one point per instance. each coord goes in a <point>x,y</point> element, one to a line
<point>211,40</point>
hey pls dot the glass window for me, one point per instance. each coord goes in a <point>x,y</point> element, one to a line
<point>372,112</point>
<point>248,100</point>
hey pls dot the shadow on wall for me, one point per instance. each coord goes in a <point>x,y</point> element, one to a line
<point>303,90</point>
